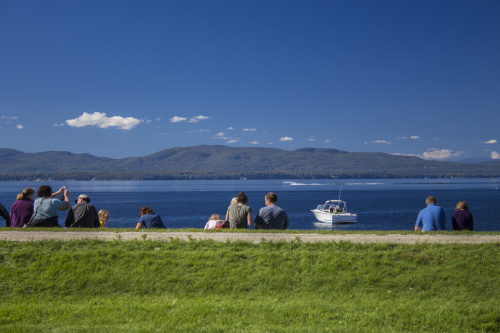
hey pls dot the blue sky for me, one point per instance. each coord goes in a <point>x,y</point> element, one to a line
<point>130,78</point>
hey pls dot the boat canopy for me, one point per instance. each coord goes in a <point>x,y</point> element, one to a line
<point>334,204</point>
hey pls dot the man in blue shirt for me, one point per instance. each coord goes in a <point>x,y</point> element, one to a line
<point>271,216</point>
<point>432,217</point>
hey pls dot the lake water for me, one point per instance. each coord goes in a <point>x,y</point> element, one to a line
<point>388,204</point>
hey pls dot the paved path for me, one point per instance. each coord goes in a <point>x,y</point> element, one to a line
<point>255,237</point>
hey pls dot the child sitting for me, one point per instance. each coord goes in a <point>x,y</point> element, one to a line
<point>103,217</point>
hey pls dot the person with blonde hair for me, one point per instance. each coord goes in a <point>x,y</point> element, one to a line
<point>462,219</point>
<point>214,222</point>
<point>22,209</point>
<point>103,217</point>
<point>149,219</point>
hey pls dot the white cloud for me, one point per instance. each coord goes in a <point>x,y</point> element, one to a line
<point>440,154</point>
<point>220,135</point>
<point>102,121</point>
<point>203,130</point>
<point>490,142</point>
<point>254,142</point>
<point>232,141</point>
<point>249,129</point>
<point>495,155</point>
<point>149,121</point>
<point>382,141</point>
<point>9,118</point>
<point>230,128</point>
<point>414,137</point>
<point>311,139</point>
<point>197,118</point>
<point>178,119</point>
<point>286,138</point>
<point>327,140</point>
<point>20,127</point>
<point>59,125</point>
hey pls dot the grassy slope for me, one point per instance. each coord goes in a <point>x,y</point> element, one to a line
<point>238,286</point>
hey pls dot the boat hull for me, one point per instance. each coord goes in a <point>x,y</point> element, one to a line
<point>327,217</point>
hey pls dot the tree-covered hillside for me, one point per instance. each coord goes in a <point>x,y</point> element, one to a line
<point>222,162</point>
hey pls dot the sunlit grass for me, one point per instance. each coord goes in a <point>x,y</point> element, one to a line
<point>176,285</point>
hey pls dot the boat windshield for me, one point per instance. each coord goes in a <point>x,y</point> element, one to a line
<point>328,207</point>
<point>332,207</point>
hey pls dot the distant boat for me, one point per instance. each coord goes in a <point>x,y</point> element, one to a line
<point>334,211</point>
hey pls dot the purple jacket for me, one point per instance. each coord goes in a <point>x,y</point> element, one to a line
<point>462,220</point>
<point>20,212</point>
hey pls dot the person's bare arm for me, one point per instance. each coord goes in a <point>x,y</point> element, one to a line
<point>65,205</point>
<point>249,219</point>
<point>55,194</point>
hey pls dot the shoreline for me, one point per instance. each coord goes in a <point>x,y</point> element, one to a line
<point>30,236</point>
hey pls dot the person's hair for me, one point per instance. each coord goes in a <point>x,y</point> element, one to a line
<point>462,205</point>
<point>234,200</point>
<point>430,200</point>
<point>145,210</point>
<point>44,191</point>
<point>103,214</point>
<point>272,197</point>
<point>25,193</point>
<point>242,198</point>
<point>214,217</point>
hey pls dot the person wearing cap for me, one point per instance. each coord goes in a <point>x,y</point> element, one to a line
<point>83,214</point>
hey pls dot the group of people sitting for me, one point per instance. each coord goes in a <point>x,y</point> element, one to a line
<point>43,211</point>
<point>239,215</point>
<point>433,218</point>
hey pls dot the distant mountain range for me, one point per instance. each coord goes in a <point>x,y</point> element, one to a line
<point>223,162</point>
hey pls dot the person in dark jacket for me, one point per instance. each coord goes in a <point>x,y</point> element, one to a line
<point>83,214</point>
<point>5,215</point>
<point>462,218</point>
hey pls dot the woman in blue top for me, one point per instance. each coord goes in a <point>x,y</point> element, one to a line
<point>46,207</point>
<point>149,219</point>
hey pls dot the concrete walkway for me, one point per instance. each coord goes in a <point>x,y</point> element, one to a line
<point>255,237</point>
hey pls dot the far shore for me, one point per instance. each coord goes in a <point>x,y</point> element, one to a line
<point>254,237</point>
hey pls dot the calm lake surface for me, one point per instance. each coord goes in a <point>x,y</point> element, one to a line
<point>388,204</point>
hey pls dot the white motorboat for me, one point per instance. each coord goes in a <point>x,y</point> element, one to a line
<point>334,211</point>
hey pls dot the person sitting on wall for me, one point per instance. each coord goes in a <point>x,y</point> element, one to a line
<point>83,214</point>
<point>149,219</point>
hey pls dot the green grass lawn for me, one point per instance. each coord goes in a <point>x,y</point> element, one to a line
<point>205,286</point>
